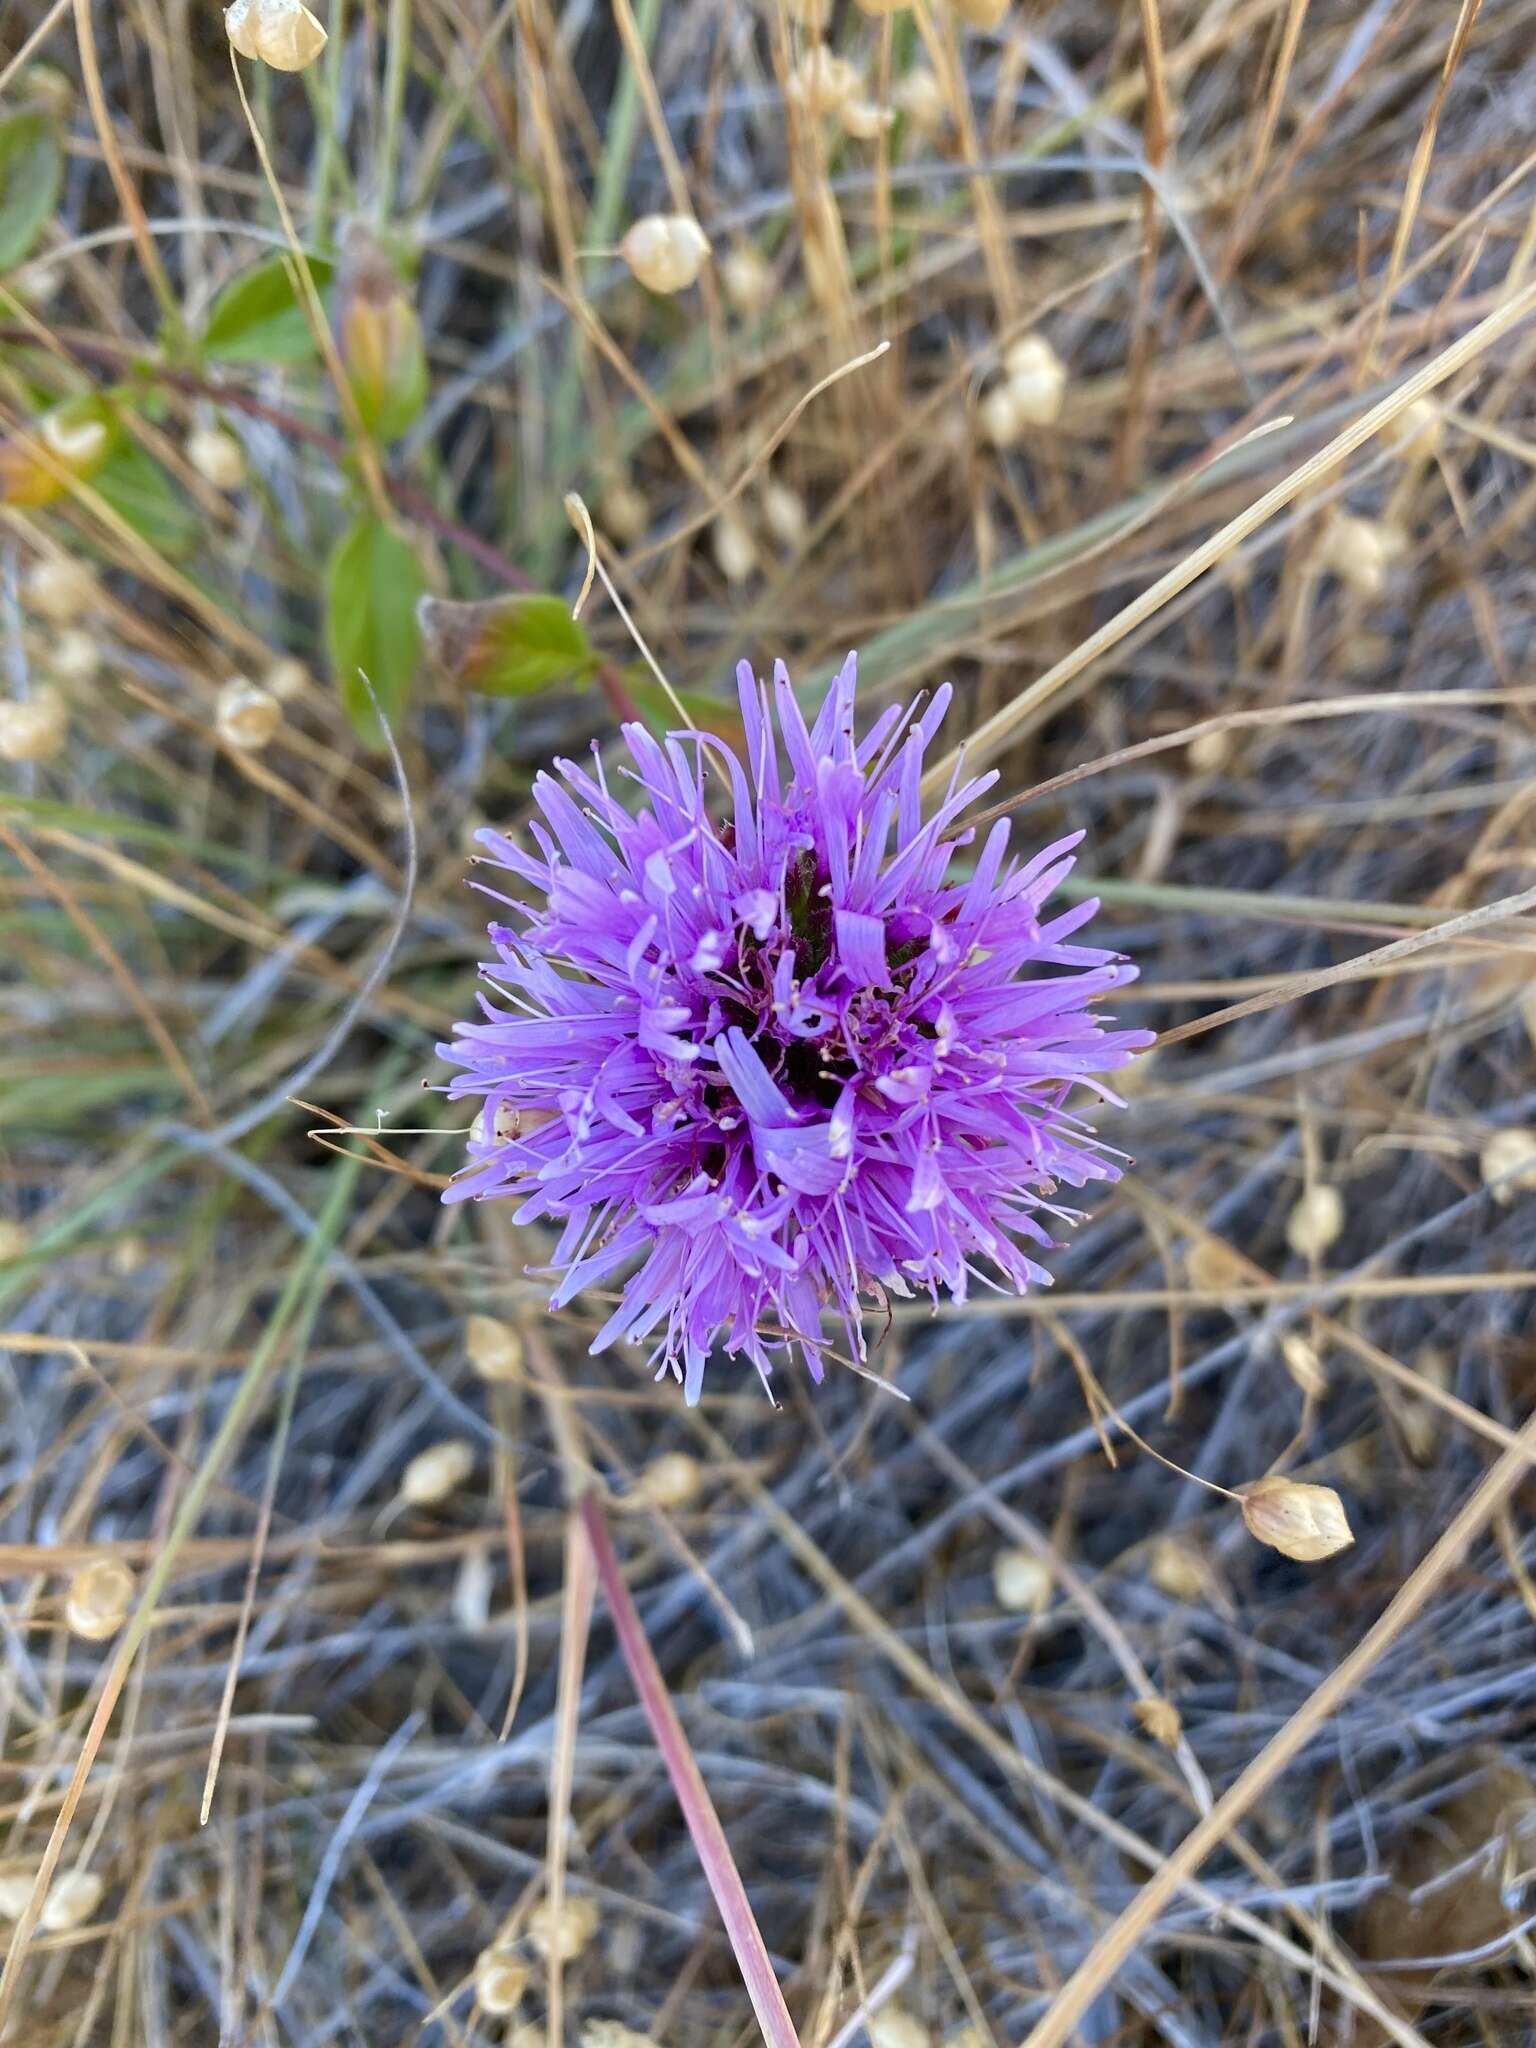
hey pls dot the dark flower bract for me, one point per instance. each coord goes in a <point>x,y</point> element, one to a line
<point>783,1059</point>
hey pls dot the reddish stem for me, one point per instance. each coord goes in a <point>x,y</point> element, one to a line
<point>730,1893</point>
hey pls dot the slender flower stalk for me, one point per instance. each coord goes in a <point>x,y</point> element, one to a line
<point>752,1043</point>
<point>709,1838</point>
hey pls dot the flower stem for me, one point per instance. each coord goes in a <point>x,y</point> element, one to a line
<point>730,1893</point>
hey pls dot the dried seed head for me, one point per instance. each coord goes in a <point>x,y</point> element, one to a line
<point>1037,377</point>
<point>1213,1267</point>
<point>623,512</point>
<point>734,549</point>
<point>248,716</point>
<point>99,1596</point>
<point>894,2027</point>
<point>1021,1582</point>
<point>1002,417</point>
<point>286,679</point>
<point>1300,1521</point>
<point>981,13</point>
<point>1508,1164</point>
<point>863,119</point>
<point>61,589</point>
<point>16,1885</point>
<point>434,1475</point>
<point>1303,1364</point>
<point>1177,1569</point>
<point>15,1240</point>
<point>567,1934</point>
<point>1417,431</point>
<point>784,514</point>
<point>500,1981</point>
<point>1360,552</point>
<point>1159,1718</point>
<point>217,457</point>
<point>669,1481</point>
<point>1316,1221</point>
<point>1210,752</point>
<point>282,33</point>
<point>75,656</point>
<point>72,1899</point>
<point>823,82</point>
<point>746,278</point>
<point>36,728</point>
<point>666,251</point>
<point>494,1348</point>
<point>612,2034</point>
<point>920,97</point>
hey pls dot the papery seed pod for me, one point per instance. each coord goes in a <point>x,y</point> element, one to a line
<point>894,2027</point>
<point>1360,552</point>
<point>99,1597</point>
<point>15,1240</point>
<point>920,97</point>
<point>1303,1364</point>
<point>75,656</point>
<point>1210,752</point>
<point>217,456</point>
<point>65,443</point>
<point>501,1978</point>
<point>494,1348</point>
<point>734,549</point>
<point>1001,417</point>
<point>1021,1581</point>
<point>1316,1221</point>
<point>987,14</point>
<point>622,512</point>
<point>17,1884</point>
<point>436,1474</point>
<point>746,278</point>
<point>72,1899</point>
<point>784,514</point>
<point>286,679</point>
<point>379,335</point>
<point>282,33</point>
<point>823,82</point>
<point>564,1934</point>
<point>1159,1718</point>
<point>248,717</point>
<point>1178,1570</point>
<point>863,120</point>
<point>613,2034</point>
<point>672,1480</point>
<point>1417,432</point>
<point>60,589</point>
<point>666,251</point>
<point>1304,1522</point>
<point>1213,1267</point>
<point>1508,1164</point>
<point>35,728</point>
<point>1037,378</point>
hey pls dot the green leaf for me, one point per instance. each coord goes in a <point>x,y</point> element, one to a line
<point>706,714</point>
<point>141,493</point>
<point>260,318</point>
<point>372,587</point>
<point>31,172</point>
<point>509,646</point>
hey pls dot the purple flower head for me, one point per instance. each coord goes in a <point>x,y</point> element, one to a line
<point>784,1060</point>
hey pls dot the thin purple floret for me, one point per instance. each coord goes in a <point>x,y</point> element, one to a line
<point>786,1067</point>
